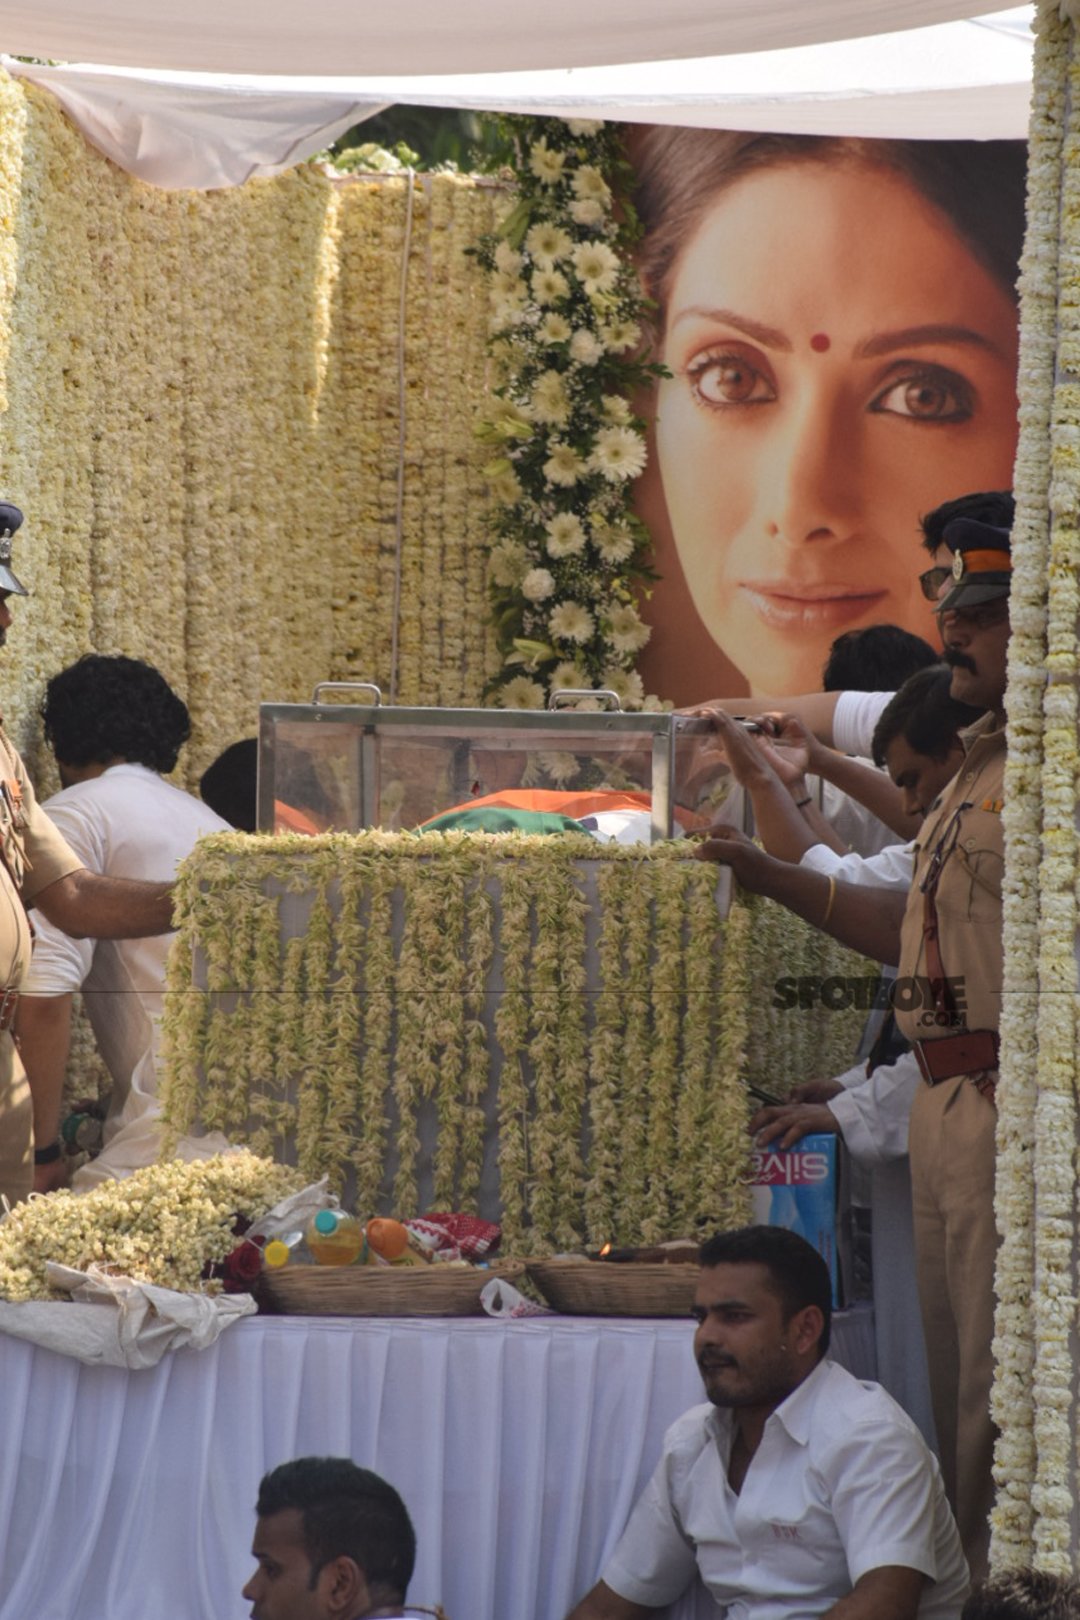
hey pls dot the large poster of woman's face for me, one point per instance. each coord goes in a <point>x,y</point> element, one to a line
<point>839,321</point>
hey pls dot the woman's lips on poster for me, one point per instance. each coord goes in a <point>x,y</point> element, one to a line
<point>787,605</point>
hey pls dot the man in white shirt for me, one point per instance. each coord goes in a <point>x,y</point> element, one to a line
<point>798,1491</point>
<point>114,725</point>
<point>333,1542</point>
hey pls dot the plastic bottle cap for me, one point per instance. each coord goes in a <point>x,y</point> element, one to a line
<point>326,1222</point>
<point>276,1253</point>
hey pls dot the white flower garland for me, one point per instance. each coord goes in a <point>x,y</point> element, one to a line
<point>1035,1461</point>
<point>567,316</point>
<point>622,1106</point>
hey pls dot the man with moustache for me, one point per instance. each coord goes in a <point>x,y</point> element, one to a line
<point>797,1491</point>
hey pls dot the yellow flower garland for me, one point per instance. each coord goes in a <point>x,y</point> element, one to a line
<point>620,1089</point>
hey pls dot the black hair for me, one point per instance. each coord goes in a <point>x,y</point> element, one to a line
<point>878,658</point>
<point>924,714</point>
<point>798,1273</point>
<point>978,186</point>
<point>1024,1594</point>
<point>346,1512</point>
<point>106,707</point>
<point>228,785</point>
<point>995,506</point>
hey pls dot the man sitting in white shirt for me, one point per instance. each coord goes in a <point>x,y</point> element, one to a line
<point>798,1491</point>
<point>332,1542</point>
<point>114,725</point>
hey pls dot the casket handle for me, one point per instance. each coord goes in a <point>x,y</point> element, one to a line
<point>573,693</point>
<point>348,686</point>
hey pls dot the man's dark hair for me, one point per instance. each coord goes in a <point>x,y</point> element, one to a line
<point>108,707</point>
<point>994,506</point>
<point>796,1270</point>
<point>878,658</point>
<point>1024,1594</point>
<point>228,786</point>
<point>346,1512</point>
<point>924,714</point>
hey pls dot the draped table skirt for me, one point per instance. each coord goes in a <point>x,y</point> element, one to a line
<point>519,1447</point>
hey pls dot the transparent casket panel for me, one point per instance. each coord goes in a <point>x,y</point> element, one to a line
<point>340,767</point>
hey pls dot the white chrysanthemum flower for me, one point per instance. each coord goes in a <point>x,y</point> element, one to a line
<point>547,243</point>
<point>548,286</point>
<point>571,621</point>
<point>561,766</point>
<point>585,348</point>
<point>521,693</point>
<point>565,536</point>
<point>567,677</point>
<point>586,211</point>
<point>546,164</point>
<point>621,335</point>
<point>656,705</point>
<point>615,409</point>
<point>597,266</point>
<point>584,126</point>
<point>618,454</point>
<point>507,260</point>
<point>589,182</point>
<point>626,632</point>
<point>564,466</point>
<point>508,284</point>
<point>507,488</point>
<point>508,563</point>
<point>627,685</point>
<point>615,544</point>
<point>554,329</point>
<point>538,585</point>
<point>549,403</point>
<point>506,312</point>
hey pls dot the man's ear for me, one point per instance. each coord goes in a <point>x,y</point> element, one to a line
<point>343,1587</point>
<point>804,1330</point>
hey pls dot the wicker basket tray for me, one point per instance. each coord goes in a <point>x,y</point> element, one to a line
<point>602,1288</point>
<point>378,1290</point>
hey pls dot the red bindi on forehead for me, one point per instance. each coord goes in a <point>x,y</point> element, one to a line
<point>820,342</point>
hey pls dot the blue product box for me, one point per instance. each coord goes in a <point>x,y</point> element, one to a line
<point>799,1187</point>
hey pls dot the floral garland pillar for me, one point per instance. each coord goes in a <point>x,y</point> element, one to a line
<point>1034,1400</point>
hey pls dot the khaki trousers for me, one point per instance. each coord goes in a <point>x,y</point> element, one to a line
<point>16,1125</point>
<point>952,1184</point>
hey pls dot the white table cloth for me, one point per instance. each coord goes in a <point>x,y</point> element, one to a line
<point>519,1448</point>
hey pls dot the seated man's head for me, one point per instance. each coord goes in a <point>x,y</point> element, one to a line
<point>104,711</point>
<point>877,658</point>
<point>333,1542</point>
<point>1025,1594</point>
<point>764,1309</point>
<point>917,737</point>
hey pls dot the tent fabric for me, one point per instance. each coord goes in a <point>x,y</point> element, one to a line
<point>967,79</point>
<point>430,36</point>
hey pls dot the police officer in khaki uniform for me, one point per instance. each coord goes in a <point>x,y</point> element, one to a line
<point>38,869</point>
<point>951,941</point>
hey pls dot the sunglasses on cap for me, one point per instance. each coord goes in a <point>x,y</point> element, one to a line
<point>932,581</point>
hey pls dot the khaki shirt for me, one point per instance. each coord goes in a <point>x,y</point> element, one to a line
<point>966,822</point>
<point>32,855</point>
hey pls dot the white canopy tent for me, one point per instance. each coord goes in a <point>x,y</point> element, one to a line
<point>179,128</point>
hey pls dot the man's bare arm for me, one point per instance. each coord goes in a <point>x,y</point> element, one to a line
<point>889,1593</point>
<point>88,906</point>
<point>870,787</point>
<point>604,1604</point>
<point>864,918</point>
<point>43,1026</point>
<point>815,709</point>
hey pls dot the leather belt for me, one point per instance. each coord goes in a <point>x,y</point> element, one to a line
<point>953,1056</point>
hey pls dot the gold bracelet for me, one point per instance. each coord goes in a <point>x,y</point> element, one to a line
<point>829,903</point>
